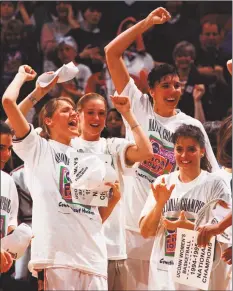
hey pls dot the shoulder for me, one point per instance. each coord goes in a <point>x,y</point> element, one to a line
<point>6,178</point>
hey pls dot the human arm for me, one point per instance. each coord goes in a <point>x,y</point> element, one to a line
<point>198,92</point>
<point>18,122</point>
<point>227,255</point>
<point>24,14</point>
<point>115,48</point>
<point>207,231</point>
<point>6,261</point>
<point>143,148</point>
<point>150,222</point>
<point>106,211</point>
<point>229,66</point>
<point>71,19</point>
<point>181,222</point>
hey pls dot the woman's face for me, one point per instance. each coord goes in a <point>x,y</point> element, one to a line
<point>114,123</point>
<point>166,94</point>
<point>92,119</point>
<point>64,122</point>
<point>188,154</point>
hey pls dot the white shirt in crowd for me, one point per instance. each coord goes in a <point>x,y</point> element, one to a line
<point>159,130</point>
<point>66,234</point>
<point>190,197</point>
<point>9,203</point>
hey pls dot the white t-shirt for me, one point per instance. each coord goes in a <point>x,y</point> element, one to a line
<point>225,175</point>
<point>9,203</point>
<point>190,197</point>
<point>114,226</point>
<point>66,234</point>
<point>159,130</point>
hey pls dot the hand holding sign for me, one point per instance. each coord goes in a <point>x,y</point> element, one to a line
<point>227,256</point>
<point>181,222</point>
<point>161,192</point>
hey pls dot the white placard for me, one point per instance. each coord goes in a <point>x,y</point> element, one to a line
<point>17,242</point>
<point>65,73</point>
<point>88,174</point>
<point>192,265</point>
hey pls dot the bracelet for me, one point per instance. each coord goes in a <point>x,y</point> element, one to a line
<point>32,99</point>
<point>132,128</point>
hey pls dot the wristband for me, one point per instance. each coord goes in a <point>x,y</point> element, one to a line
<point>32,99</point>
<point>132,128</point>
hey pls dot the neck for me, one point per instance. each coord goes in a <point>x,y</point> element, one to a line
<point>61,139</point>
<point>86,136</point>
<point>164,112</point>
<point>88,26</point>
<point>188,176</point>
<point>229,170</point>
<point>183,73</point>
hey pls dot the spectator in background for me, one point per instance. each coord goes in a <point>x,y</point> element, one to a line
<point>51,31</point>
<point>212,129</point>
<point>161,41</point>
<point>67,51</point>
<point>114,125</point>
<point>16,50</point>
<point>8,9</point>
<point>89,37</point>
<point>209,59</point>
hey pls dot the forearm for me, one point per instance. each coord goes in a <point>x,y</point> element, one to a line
<point>125,39</point>
<point>144,146</point>
<point>149,223</point>
<point>199,112</point>
<point>225,223</point>
<point>106,211</point>
<point>12,92</point>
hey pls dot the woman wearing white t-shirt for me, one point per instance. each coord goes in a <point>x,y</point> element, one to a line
<point>159,118</point>
<point>175,201</point>
<point>68,239</point>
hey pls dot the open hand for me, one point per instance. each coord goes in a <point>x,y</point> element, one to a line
<point>158,16</point>
<point>181,222</point>
<point>198,92</point>
<point>6,261</point>
<point>27,72</point>
<point>161,192</point>
<point>122,104</point>
<point>41,92</point>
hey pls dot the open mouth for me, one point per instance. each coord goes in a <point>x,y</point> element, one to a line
<point>170,99</point>
<point>73,123</point>
<point>94,125</point>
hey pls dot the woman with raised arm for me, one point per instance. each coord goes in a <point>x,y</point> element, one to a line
<point>159,118</point>
<point>175,202</point>
<point>69,246</point>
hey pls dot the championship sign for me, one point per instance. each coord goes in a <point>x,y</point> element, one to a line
<point>192,265</point>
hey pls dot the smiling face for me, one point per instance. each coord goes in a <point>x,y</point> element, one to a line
<point>166,95</point>
<point>63,125</point>
<point>5,148</point>
<point>92,119</point>
<point>188,154</point>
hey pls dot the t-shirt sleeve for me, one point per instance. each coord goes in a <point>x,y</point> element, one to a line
<point>118,147</point>
<point>139,101</point>
<point>31,148</point>
<point>13,218</point>
<point>220,190</point>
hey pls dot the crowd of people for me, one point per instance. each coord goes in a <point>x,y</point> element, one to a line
<point>145,124</point>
